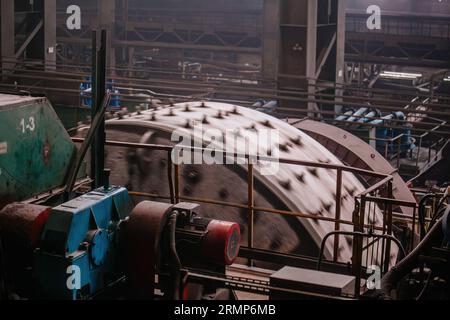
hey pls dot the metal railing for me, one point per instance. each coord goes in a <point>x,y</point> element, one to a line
<point>378,193</point>
<point>377,250</point>
<point>392,147</point>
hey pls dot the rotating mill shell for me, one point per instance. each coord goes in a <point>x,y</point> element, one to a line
<point>294,188</point>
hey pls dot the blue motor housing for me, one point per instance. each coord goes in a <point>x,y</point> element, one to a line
<point>78,256</point>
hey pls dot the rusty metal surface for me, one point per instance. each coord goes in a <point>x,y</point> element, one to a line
<point>354,152</point>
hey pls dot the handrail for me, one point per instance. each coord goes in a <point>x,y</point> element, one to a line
<point>245,156</point>
<point>360,234</point>
<point>358,223</point>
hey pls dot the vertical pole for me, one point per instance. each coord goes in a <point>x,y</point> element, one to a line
<point>93,107</point>
<point>177,183</point>
<point>386,149</point>
<point>338,213</point>
<point>389,227</point>
<point>311,55</point>
<point>50,34</point>
<point>358,222</point>
<point>413,227</point>
<point>98,94</point>
<point>271,36</point>
<point>172,187</point>
<point>340,55</point>
<point>251,203</point>
<point>7,37</point>
<point>418,151</point>
<point>130,61</point>
<point>373,138</point>
<point>106,17</point>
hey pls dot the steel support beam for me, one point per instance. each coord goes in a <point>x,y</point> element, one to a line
<point>106,19</point>
<point>7,33</point>
<point>312,47</point>
<point>340,52</point>
<point>311,53</point>
<point>99,77</point>
<point>326,54</point>
<point>271,37</point>
<point>50,34</point>
<point>166,45</point>
<point>30,38</point>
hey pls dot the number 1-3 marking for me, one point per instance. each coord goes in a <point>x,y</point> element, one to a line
<point>29,125</point>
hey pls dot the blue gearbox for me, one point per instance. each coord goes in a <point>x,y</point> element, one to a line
<point>78,256</point>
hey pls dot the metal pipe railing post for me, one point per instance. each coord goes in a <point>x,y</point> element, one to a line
<point>418,151</point>
<point>337,213</point>
<point>250,208</point>
<point>177,182</point>
<point>388,207</point>
<point>413,228</point>
<point>386,150</point>
<point>98,93</point>
<point>357,244</point>
<point>170,177</point>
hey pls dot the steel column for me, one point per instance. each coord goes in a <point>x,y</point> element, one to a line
<point>251,211</point>
<point>271,36</point>
<point>106,18</point>
<point>98,93</point>
<point>7,33</point>
<point>311,53</point>
<point>340,53</point>
<point>50,34</point>
<point>311,46</point>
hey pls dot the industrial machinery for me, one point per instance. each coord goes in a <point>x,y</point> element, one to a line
<point>110,242</point>
<point>189,241</point>
<point>383,136</point>
<point>354,152</point>
<point>84,248</point>
<point>160,187</point>
<point>94,242</point>
<point>437,171</point>
<point>35,149</point>
<point>294,188</point>
<point>424,273</point>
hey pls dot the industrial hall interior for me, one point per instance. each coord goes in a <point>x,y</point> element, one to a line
<point>229,150</point>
